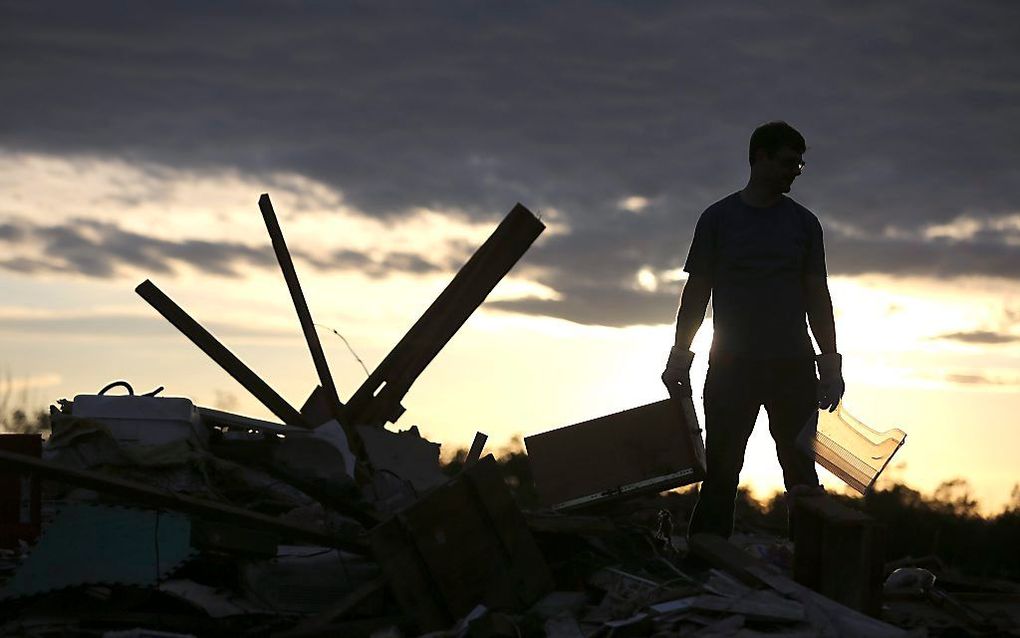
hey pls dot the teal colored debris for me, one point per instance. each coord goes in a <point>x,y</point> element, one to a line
<point>99,545</point>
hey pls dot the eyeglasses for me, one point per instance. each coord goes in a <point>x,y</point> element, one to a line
<point>792,162</point>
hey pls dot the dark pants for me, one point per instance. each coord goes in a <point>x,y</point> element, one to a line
<point>734,392</point>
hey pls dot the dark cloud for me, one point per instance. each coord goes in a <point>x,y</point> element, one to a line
<point>100,249</point>
<point>611,306</point>
<point>398,261</point>
<point>937,258</point>
<point>11,232</point>
<point>911,111</point>
<point>980,336</point>
<point>123,325</point>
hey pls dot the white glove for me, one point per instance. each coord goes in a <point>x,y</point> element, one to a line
<point>830,380</point>
<point>677,375</point>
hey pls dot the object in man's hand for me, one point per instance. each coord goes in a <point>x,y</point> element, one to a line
<point>848,448</point>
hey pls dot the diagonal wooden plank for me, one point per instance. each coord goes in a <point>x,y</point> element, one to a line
<point>378,399</point>
<point>219,353</point>
<point>298,297</point>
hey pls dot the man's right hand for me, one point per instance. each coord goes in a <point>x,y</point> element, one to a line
<point>677,375</point>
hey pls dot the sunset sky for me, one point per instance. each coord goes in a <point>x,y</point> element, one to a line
<point>136,138</point>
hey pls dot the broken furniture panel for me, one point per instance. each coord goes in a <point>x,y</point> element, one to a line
<point>378,399</point>
<point>839,552</point>
<point>463,544</point>
<point>651,448</point>
<point>220,354</point>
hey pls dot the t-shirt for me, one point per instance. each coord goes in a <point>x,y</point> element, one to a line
<point>756,260</point>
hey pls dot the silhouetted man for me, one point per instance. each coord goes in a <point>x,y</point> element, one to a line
<point>759,255</point>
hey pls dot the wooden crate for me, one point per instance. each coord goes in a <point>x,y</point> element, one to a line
<point>462,544</point>
<point>838,552</point>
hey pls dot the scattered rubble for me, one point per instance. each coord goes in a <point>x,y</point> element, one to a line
<point>160,518</point>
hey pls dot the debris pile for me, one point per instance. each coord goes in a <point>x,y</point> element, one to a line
<point>162,518</point>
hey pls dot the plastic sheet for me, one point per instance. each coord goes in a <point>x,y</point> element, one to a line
<point>850,449</point>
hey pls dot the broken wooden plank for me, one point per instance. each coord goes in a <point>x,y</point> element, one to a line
<point>378,399</point>
<point>719,552</point>
<point>823,612</point>
<point>771,610</point>
<point>300,304</point>
<point>178,502</point>
<point>477,445</point>
<point>219,353</point>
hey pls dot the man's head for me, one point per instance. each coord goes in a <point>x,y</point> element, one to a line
<point>776,155</point>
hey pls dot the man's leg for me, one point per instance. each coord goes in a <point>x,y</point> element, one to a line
<point>791,399</point>
<point>732,400</point>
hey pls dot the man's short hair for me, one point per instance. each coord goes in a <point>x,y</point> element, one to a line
<point>772,136</point>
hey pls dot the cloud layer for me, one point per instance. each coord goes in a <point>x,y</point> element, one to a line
<point>626,120</point>
<point>99,249</point>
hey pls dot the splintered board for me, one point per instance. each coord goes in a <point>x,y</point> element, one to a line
<point>654,447</point>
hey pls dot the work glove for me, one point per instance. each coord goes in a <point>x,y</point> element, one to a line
<point>830,380</point>
<point>677,375</point>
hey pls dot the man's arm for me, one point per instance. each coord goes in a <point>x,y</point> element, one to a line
<point>823,326</point>
<point>693,304</point>
<point>819,312</point>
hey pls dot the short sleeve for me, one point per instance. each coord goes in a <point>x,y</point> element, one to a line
<point>701,258</point>
<point>814,262</point>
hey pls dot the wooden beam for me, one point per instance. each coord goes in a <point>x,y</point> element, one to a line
<point>842,620</point>
<point>178,502</point>
<point>298,297</point>
<point>220,354</point>
<point>477,446</point>
<point>378,399</point>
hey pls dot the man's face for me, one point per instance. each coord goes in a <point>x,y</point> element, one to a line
<point>782,168</point>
